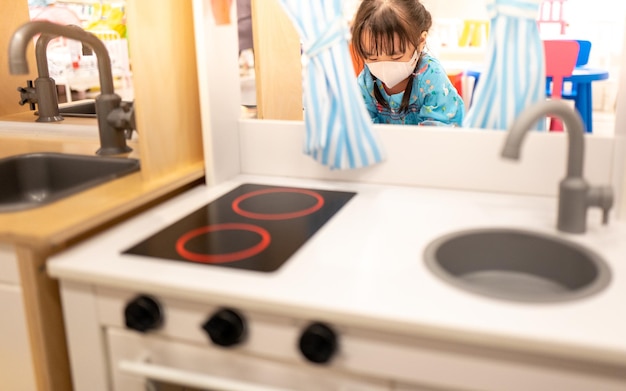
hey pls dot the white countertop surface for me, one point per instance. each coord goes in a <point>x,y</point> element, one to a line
<point>364,268</point>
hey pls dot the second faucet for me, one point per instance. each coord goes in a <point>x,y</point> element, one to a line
<point>113,119</point>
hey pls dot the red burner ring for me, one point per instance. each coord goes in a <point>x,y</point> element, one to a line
<point>277,216</point>
<point>222,258</point>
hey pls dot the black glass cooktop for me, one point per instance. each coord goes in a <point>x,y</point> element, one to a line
<point>254,227</point>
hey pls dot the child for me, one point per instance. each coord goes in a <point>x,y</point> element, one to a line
<point>402,84</point>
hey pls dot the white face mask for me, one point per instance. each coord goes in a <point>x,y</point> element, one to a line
<point>393,72</point>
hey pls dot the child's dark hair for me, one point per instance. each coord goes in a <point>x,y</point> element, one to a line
<point>382,20</point>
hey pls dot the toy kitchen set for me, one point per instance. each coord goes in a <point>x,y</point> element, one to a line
<point>443,267</point>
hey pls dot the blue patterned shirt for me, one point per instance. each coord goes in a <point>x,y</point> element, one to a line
<point>434,100</point>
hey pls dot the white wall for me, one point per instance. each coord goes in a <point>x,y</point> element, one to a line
<point>463,9</point>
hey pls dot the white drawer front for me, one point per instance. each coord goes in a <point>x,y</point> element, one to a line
<point>136,358</point>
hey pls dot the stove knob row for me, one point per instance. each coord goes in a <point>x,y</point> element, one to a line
<point>318,343</point>
<point>226,327</point>
<point>143,313</point>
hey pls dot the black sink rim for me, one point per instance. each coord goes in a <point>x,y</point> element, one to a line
<point>598,283</point>
<point>84,108</point>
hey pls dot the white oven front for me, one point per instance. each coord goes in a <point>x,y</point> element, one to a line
<point>147,362</point>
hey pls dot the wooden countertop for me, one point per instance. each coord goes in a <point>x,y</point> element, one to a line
<point>57,223</point>
<point>28,117</point>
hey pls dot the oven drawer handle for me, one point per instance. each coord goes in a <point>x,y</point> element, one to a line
<point>188,379</point>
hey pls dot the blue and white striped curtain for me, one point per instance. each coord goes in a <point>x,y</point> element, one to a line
<point>514,76</point>
<point>339,130</point>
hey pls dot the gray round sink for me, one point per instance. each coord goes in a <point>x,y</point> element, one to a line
<point>517,265</point>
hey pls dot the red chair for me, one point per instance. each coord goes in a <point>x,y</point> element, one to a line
<point>560,58</point>
<point>456,78</point>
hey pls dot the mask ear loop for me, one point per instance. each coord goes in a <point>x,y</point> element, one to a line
<point>406,98</point>
<point>378,95</point>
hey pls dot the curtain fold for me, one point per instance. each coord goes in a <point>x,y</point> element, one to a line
<point>514,75</point>
<point>339,131</point>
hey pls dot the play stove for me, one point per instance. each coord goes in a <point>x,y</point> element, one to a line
<point>254,227</point>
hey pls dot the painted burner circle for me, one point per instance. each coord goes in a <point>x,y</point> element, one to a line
<point>236,205</point>
<point>226,257</point>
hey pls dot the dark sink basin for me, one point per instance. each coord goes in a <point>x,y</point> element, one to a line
<point>35,179</point>
<point>517,265</point>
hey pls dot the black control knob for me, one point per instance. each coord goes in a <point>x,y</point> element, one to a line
<point>143,313</point>
<point>225,327</point>
<point>318,343</point>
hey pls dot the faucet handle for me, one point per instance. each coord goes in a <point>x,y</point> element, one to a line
<point>602,197</point>
<point>28,94</point>
<point>123,118</point>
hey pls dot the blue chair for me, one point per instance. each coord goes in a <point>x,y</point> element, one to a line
<point>581,61</point>
<point>475,74</point>
<point>583,52</point>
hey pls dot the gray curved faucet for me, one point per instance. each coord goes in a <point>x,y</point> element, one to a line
<point>575,194</point>
<point>114,119</point>
<point>44,92</point>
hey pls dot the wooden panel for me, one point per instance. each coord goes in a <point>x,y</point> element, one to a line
<point>165,82</point>
<point>45,321</point>
<point>14,13</point>
<point>277,62</point>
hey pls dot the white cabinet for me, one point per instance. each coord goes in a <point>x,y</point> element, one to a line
<point>16,364</point>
